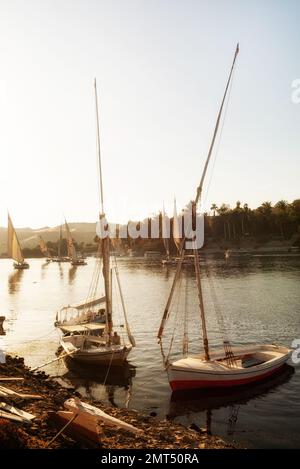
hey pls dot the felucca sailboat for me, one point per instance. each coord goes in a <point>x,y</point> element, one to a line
<point>44,249</point>
<point>13,247</point>
<point>228,366</point>
<point>72,253</point>
<point>113,346</point>
<point>177,237</point>
<point>59,257</point>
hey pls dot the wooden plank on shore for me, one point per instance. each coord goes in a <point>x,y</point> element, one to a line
<point>4,378</point>
<point>17,418</point>
<point>9,392</point>
<point>16,411</point>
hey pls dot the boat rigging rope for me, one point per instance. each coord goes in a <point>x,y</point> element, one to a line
<point>108,368</point>
<point>185,346</point>
<point>220,136</point>
<point>231,360</point>
<point>175,321</point>
<point>117,302</point>
<point>217,308</point>
<point>95,277</point>
<point>128,330</point>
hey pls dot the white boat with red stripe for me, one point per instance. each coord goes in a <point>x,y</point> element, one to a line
<point>226,367</point>
<point>250,364</point>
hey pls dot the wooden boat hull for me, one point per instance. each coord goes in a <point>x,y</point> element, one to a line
<point>102,354</point>
<point>116,358</point>
<point>60,259</point>
<point>195,373</point>
<point>84,429</point>
<point>81,262</point>
<point>22,266</point>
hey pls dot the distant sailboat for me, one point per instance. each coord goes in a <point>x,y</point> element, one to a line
<point>44,249</point>
<point>72,254</point>
<point>13,247</point>
<point>177,238</point>
<point>109,348</point>
<point>59,257</point>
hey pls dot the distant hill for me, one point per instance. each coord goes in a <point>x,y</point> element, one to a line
<point>81,232</point>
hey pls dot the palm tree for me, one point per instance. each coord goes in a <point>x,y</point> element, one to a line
<point>214,208</point>
<point>245,217</point>
<point>265,208</point>
<point>223,211</point>
<point>282,205</point>
<point>282,208</point>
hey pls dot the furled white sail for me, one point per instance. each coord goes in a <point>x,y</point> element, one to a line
<point>166,232</point>
<point>177,232</point>
<point>93,301</point>
<point>13,245</point>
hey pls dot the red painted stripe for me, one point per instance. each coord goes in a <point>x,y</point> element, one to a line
<point>196,384</point>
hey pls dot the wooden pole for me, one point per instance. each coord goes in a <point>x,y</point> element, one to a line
<point>199,190</point>
<point>166,311</point>
<point>201,304</point>
<point>98,147</point>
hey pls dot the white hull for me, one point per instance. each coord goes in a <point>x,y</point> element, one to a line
<point>253,363</point>
<point>92,350</point>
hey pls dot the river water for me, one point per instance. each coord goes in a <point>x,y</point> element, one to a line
<point>249,298</point>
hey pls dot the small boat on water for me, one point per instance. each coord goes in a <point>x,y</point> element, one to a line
<point>59,258</point>
<point>14,248</point>
<point>44,249</point>
<point>221,368</point>
<point>247,364</point>
<point>76,260</point>
<point>87,348</point>
<point>110,347</point>
<point>177,237</point>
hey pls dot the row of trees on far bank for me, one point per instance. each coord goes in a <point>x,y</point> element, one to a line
<point>223,226</point>
<point>266,222</point>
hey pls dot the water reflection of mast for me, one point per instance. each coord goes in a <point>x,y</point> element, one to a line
<point>233,416</point>
<point>61,272</point>
<point>208,421</point>
<point>14,281</point>
<point>72,274</point>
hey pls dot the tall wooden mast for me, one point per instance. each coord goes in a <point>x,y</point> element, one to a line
<point>196,256</point>
<point>104,238</point>
<point>59,242</point>
<point>197,200</point>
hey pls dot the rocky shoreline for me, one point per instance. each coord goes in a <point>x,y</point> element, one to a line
<point>40,432</point>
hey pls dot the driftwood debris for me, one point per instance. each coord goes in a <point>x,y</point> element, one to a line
<point>4,391</point>
<point>4,378</point>
<point>8,416</point>
<point>89,412</point>
<point>14,410</point>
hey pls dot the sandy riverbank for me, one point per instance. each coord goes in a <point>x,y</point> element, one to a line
<point>37,434</point>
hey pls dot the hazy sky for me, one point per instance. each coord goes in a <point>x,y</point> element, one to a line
<point>161,67</point>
